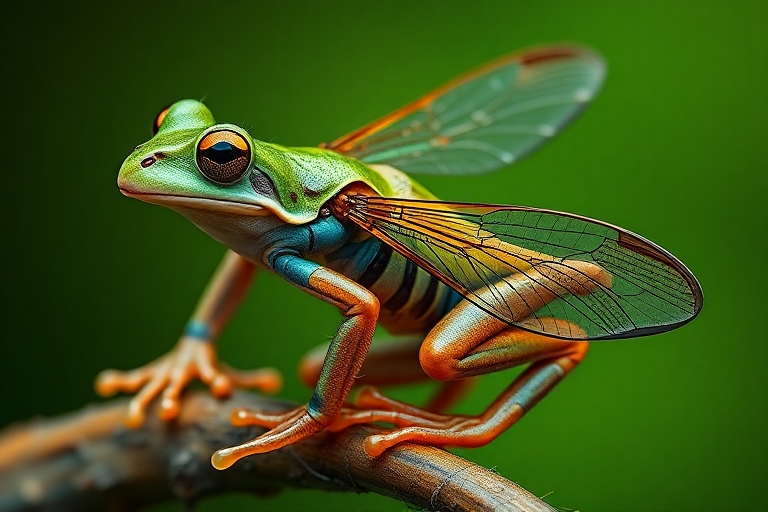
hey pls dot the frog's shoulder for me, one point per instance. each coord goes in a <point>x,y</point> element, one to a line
<point>304,179</point>
<point>401,184</point>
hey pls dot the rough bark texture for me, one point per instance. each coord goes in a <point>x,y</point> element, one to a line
<point>88,461</point>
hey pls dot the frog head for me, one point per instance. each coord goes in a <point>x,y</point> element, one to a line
<point>226,182</point>
<point>192,163</point>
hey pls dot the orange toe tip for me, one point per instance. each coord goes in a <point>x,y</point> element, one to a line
<point>169,409</point>
<point>221,386</point>
<point>223,459</point>
<point>104,389</point>
<point>272,383</point>
<point>374,446</point>
<point>105,383</point>
<point>134,420</point>
<point>240,417</point>
<point>109,373</point>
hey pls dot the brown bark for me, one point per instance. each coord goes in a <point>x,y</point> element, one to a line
<point>88,461</point>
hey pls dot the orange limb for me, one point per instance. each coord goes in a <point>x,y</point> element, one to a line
<point>195,354</point>
<point>469,342</point>
<point>389,362</point>
<point>341,366</point>
<point>465,343</point>
<point>530,387</point>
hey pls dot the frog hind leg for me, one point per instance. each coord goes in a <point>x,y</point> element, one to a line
<point>465,343</point>
<point>390,362</point>
<point>460,346</point>
<point>551,360</point>
<point>469,342</point>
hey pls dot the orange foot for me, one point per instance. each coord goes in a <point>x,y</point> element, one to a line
<point>190,359</point>
<point>287,428</point>
<point>416,425</point>
<point>424,427</point>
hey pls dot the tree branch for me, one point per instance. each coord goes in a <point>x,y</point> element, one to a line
<point>88,461</point>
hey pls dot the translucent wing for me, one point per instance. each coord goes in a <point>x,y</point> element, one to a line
<point>524,265</point>
<point>484,120</point>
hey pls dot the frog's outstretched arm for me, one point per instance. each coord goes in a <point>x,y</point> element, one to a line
<point>342,363</point>
<point>194,356</point>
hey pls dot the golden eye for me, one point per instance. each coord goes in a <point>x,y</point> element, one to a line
<point>223,156</point>
<point>159,120</point>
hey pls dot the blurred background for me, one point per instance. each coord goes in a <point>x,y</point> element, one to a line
<point>674,148</point>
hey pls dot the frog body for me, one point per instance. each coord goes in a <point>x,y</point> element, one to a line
<point>278,204</point>
<point>478,288</point>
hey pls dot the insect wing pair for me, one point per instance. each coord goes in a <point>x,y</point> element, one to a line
<point>522,265</point>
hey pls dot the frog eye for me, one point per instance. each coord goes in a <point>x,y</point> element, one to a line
<point>223,156</point>
<point>159,120</point>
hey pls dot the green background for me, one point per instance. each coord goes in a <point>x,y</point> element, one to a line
<point>674,148</point>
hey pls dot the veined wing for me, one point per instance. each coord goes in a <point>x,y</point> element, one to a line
<point>523,265</point>
<point>484,120</point>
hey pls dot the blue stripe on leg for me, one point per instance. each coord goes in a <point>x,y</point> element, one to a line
<point>197,330</point>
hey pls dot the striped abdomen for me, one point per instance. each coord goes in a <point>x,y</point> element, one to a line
<point>411,299</point>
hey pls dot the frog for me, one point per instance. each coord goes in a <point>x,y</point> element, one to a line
<point>347,223</point>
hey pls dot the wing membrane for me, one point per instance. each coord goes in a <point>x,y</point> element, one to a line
<point>485,120</point>
<point>525,265</point>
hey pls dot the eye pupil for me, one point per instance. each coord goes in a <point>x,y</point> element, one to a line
<point>222,152</point>
<point>223,156</point>
<point>222,146</point>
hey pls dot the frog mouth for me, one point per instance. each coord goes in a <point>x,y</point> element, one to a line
<point>197,203</point>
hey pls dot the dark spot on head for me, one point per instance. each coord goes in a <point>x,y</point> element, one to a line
<point>310,192</point>
<point>294,197</point>
<point>262,184</point>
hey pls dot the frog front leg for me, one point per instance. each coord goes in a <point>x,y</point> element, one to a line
<point>194,356</point>
<point>342,362</point>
